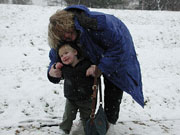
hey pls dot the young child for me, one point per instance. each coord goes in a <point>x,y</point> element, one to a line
<point>77,86</point>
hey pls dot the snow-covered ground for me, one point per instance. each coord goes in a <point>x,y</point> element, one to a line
<point>28,101</point>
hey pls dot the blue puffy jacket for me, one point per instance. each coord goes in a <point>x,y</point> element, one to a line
<point>111,48</point>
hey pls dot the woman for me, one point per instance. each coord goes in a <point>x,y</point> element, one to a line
<point>106,41</point>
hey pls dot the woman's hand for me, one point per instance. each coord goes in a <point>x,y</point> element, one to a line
<point>55,70</point>
<point>93,71</point>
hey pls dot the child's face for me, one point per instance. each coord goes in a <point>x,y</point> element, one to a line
<point>68,55</point>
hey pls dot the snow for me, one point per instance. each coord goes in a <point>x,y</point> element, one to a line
<point>28,99</point>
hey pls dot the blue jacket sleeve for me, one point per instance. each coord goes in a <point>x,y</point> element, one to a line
<point>53,60</point>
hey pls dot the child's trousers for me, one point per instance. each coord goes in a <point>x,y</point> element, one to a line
<point>70,112</point>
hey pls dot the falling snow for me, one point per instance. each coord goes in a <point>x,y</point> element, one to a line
<point>29,102</point>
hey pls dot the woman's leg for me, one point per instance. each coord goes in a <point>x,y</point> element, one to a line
<point>112,100</point>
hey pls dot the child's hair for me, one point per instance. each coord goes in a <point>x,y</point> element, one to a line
<point>70,46</point>
<point>66,47</point>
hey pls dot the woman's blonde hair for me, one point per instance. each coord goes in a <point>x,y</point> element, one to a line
<point>59,23</point>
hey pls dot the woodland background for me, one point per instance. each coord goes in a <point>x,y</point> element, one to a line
<point>170,5</point>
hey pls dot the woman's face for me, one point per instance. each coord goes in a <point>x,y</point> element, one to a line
<point>70,36</point>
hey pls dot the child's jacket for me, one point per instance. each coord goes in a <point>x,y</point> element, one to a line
<point>77,86</point>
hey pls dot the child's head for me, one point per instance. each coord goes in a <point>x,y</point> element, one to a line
<point>68,54</point>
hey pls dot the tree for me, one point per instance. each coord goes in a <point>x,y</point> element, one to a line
<point>4,1</point>
<point>173,5</point>
<point>95,3</point>
<point>24,2</point>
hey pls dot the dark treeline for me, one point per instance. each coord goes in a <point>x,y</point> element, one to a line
<point>23,2</point>
<point>96,3</point>
<point>171,5</point>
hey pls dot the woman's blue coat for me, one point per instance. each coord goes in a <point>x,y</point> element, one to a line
<point>111,48</point>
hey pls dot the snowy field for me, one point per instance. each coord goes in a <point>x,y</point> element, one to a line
<point>29,102</point>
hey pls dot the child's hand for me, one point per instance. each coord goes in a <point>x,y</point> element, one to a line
<point>59,65</point>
